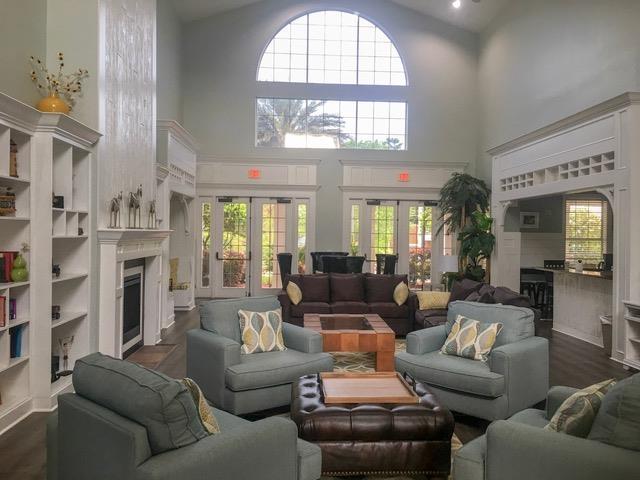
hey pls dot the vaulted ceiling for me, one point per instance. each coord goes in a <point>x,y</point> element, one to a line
<point>473,16</point>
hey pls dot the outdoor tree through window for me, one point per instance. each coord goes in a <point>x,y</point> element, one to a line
<point>586,230</point>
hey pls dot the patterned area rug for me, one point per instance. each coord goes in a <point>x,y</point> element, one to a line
<point>366,362</point>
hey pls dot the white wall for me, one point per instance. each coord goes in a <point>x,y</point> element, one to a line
<point>543,60</point>
<point>169,69</point>
<point>221,55</point>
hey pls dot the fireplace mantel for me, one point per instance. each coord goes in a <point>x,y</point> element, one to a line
<point>128,235</point>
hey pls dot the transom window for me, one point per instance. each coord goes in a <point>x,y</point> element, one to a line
<point>332,47</point>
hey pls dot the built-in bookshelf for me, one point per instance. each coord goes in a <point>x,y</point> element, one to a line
<point>632,325</point>
<point>46,307</point>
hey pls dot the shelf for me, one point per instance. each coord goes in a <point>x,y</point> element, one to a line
<point>66,317</point>
<point>632,319</point>
<point>14,362</point>
<point>7,178</point>
<point>68,277</point>
<point>69,237</point>
<point>16,219</point>
<point>5,286</point>
<point>635,340</point>
<point>60,384</point>
<point>14,323</point>
<point>69,210</point>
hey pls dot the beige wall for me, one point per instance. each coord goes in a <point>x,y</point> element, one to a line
<point>169,68</point>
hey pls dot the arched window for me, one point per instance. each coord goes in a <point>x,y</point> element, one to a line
<point>332,47</point>
<point>332,53</point>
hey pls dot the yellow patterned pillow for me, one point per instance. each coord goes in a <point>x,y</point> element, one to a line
<point>294,293</point>
<point>433,300</point>
<point>261,331</point>
<point>207,418</point>
<point>401,293</point>
<point>471,339</point>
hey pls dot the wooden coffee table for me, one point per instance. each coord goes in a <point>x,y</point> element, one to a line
<point>356,333</point>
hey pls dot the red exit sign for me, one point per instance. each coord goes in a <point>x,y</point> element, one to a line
<point>403,177</point>
<point>254,173</point>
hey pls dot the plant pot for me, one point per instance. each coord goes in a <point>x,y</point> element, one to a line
<point>53,103</point>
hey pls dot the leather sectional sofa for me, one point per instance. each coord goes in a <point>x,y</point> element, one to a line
<point>351,293</point>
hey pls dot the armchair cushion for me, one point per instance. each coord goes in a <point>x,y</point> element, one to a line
<point>453,373</point>
<point>426,340</point>
<point>347,287</point>
<point>221,316</point>
<point>274,368</point>
<point>349,307</point>
<point>517,322</point>
<point>309,307</point>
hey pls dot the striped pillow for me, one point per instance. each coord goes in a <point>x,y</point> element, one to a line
<point>471,339</point>
<point>261,331</point>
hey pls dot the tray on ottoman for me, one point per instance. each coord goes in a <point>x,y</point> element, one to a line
<point>380,387</point>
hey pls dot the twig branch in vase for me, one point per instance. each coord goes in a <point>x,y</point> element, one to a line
<point>68,86</point>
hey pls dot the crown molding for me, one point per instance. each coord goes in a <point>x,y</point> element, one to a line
<point>115,236</point>
<point>404,164</point>
<point>68,128</point>
<point>246,160</point>
<point>258,186</point>
<point>19,114</point>
<point>364,188</point>
<point>178,132</point>
<point>591,113</point>
<point>162,172</point>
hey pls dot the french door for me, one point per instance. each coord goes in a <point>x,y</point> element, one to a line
<point>240,242</point>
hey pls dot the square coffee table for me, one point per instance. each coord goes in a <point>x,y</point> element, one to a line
<point>356,333</point>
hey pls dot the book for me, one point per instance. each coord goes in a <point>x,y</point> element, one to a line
<point>13,309</point>
<point>8,265</point>
<point>15,341</point>
<point>3,311</point>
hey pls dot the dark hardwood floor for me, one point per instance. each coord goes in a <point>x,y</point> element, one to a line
<point>573,362</point>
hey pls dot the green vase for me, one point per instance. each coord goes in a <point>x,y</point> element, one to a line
<point>19,273</point>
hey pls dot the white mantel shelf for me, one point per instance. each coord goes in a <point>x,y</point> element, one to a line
<point>126,235</point>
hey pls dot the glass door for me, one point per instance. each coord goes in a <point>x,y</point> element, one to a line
<point>204,284</point>
<point>382,231</point>
<point>272,227</point>
<point>415,249</point>
<point>232,257</point>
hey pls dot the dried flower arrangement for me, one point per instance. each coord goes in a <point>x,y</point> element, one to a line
<point>68,86</point>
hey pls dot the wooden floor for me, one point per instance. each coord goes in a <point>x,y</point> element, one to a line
<point>573,362</point>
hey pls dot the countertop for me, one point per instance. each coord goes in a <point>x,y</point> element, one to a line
<point>572,271</point>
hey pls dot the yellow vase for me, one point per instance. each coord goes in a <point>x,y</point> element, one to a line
<point>53,103</point>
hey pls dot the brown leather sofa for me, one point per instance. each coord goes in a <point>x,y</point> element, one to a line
<point>352,293</point>
<point>472,291</point>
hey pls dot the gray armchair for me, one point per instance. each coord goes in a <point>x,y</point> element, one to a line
<point>248,383</point>
<point>515,377</point>
<point>520,448</point>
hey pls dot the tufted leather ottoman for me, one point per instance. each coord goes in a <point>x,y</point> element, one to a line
<point>375,439</point>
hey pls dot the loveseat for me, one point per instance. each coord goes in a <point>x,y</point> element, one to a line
<point>350,293</point>
<point>471,291</point>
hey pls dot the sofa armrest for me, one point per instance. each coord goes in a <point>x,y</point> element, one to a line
<point>285,304</point>
<point>524,452</point>
<point>525,366</point>
<point>266,449</point>
<point>301,339</point>
<point>555,397</point>
<point>427,340</point>
<point>208,356</point>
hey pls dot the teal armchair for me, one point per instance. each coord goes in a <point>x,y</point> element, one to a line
<point>243,384</point>
<point>515,377</point>
<point>519,448</point>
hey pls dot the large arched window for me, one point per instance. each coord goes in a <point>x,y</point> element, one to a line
<point>333,53</point>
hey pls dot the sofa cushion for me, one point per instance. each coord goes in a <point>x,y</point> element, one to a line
<point>517,322</point>
<point>432,300</point>
<point>618,420</point>
<point>380,288</point>
<point>347,287</point>
<point>506,296</point>
<point>454,373</point>
<point>274,368</point>
<point>349,307</point>
<point>162,405</point>
<point>316,288</point>
<point>309,307</point>
<point>461,289</point>
<point>430,318</point>
<point>389,309</point>
<point>221,316</point>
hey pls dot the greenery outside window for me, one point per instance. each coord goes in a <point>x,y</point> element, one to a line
<point>585,230</point>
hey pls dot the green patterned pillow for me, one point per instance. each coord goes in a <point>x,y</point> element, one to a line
<point>576,414</point>
<point>261,331</point>
<point>471,339</point>
<point>207,418</point>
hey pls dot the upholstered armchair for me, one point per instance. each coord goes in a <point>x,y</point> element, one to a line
<point>515,377</point>
<point>519,448</point>
<point>243,384</point>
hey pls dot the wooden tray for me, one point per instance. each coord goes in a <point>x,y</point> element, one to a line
<point>378,387</point>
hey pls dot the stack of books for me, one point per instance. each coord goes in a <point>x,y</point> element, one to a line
<point>6,265</point>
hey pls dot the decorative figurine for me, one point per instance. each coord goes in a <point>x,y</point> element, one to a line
<point>135,203</point>
<point>65,347</point>
<point>13,159</point>
<point>58,201</point>
<point>55,312</point>
<point>151,222</point>
<point>55,270</point>
<point>114,211</point>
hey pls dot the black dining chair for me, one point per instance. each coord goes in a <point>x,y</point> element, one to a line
<point>355,263</point>
<point>284,262</point>
<point>386,264</point>
<point>316,259</point>
<point>334,264</point>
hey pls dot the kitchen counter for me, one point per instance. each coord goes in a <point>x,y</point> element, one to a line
<point>572,271</point>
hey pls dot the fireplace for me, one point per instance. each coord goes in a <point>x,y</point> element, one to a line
<point>132,307</point>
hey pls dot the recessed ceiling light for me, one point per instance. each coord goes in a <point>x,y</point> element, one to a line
<point>456,3</point>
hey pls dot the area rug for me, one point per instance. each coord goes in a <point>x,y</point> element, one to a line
<point>151,356</point>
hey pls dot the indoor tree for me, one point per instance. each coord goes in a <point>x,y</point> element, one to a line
<point>476,244</point>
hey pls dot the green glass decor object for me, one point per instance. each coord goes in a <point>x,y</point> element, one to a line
<point>19,273</point>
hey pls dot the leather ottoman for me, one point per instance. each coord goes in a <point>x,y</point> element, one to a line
<point>361,439</point>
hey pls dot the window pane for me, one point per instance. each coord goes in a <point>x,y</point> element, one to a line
<point>420,243</point>
<point>382,232</point>
<point>355,230</point>
<point>205,249</point>
<point>234,245</point>
<point>302,238</point>
<point>585,230</point>
<point>273,243</point>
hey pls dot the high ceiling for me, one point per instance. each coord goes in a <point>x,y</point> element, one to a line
<point>471,16</point>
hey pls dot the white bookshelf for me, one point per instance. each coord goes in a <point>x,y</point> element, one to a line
<point>632,330</point>
<point>60,150</point>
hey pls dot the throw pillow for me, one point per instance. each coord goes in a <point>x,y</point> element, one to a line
<point>618,420</point>
<point>261,331</point>
<point>461,289</point>
<point>207,418</point>
<point>294,293</point>
<point>400,293</point>
<point>576,414</point>
<point>471,339</point>
<point>433,300</point>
